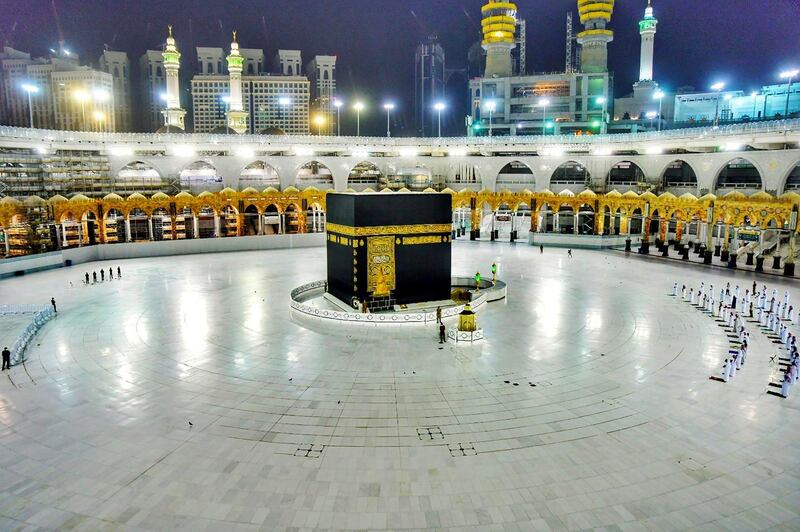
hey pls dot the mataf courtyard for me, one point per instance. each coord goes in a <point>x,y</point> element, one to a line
<point>188,395</point>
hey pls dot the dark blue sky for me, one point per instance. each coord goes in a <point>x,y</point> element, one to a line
<point>744,42</point>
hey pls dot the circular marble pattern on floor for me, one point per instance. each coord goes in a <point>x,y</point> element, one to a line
<point>188,396</point>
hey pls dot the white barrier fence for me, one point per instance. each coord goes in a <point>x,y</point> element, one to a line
<point>419,317</point>
<point>39,314</point>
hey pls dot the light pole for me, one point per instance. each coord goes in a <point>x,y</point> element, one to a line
<point>319,120</point>
<point>359,106</point>
<point>543,103</point>
<point>491,106</point>
<point>99,117</point>
<point>659,95</point>
<point>651,115</point>
<point>389,108</point>
<point>284,104</point>
<point>439,106</point>
<point>728,99</point>
<point>718,88</point>
<point>789,76</point>
<point>30,89</point>
<point>602,101</point>
<point>338,104</point>
<point>754,94</point>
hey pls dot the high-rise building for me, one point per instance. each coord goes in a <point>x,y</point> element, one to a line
<point>270,103</point>
<point>321,72</point>
<point>499,25</point>
<point>173,112</point>
<point>254,64</point>
<point>13,100</point>
<point>83,100</point>
<point>429,80</point>
<point>595,16</point>
<point>237,118</point>
<point>210,61</point>
<point>152,91</point>
<point>118,65</point>
<point>289,62</point>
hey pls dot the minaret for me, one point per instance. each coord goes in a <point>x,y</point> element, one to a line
<point>647,29</point>
<point>594,39</point>
<point>237,118</point>
<point>499,37</point>
<point>173,114</point>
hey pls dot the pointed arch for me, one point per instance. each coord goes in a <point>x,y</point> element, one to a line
<point>259,175</point>
<point>625,173</point>
<point>570,173</point>
<point>515,175</point>
<point>738,173</point>
<point>200,176</point>
<point>365,175</point>
<point>679,174</point>
<point>792,181</point>
<point>314,174</point>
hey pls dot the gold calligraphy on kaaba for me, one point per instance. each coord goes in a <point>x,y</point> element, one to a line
<point>389,229</point>
<point>381,278</point>
<point>417,240</point>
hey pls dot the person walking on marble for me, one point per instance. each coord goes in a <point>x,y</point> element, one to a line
<point>726,370</point>
<point>94,277</point>
<point>786,385</point>
<point>442,334</point>
<point>87,278</point>
<point>438,314</point>
<point>111,274</point>
<point>6,359</point>
<point>102,275</point>
<point>53,302</point>
<point>569,253</point>
<point>119,272</point>
<point>494,272</point>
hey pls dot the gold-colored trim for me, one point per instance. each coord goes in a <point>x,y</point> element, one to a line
<point>419,240</point>
<point>380,230</point>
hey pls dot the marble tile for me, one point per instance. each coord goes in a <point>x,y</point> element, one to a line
<point>186,395</point>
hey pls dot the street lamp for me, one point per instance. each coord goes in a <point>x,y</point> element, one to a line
<point>439,106</point>
<point>338,104</point>
<point>284,104</point>
<point>30,89</point>
<point>319,120</point>
<point>389,108</point>
<point>98,117</point>
<point>659,95</point>
<point>358,106</point>
<point>491,106</point>
<point>82,96</point>
<point>603,101</point>
<point>718,88</point>
<point>543,103</point>
<point>789,76</point>
<point>651,115</point>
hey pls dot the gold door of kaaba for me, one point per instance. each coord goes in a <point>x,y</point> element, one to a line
<point>381,279</point>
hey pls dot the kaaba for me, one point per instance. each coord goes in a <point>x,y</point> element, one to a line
<point>389,249</point>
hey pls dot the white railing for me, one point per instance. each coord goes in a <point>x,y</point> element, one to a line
<point>39,316</point>
<point>695,133</point>
<point>419,317</point>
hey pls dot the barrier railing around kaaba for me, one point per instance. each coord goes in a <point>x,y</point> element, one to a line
<point>402,317</point>
<point>39,316</point>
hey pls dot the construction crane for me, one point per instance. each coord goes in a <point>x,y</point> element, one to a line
<point>61,41</point>
<point>569,66</point>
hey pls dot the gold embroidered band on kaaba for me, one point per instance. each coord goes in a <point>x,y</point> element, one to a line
<point>381,230</point>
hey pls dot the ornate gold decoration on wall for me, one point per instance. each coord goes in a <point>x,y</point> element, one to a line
<point>381,277</point>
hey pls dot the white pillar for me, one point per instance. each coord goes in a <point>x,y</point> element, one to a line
<point>260,224</point>
<point>150,229</point>
<point>216,226</point>
<point>196,226</point>
<point>80,234</point>
<point>128,236</point>
<point>575,219</point>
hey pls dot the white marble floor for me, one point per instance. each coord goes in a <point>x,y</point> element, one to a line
<point>186,396</point>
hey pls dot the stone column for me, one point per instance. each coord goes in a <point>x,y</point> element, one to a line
<point>128,237</point>
<point>195,226</point>
<point>150,232</point>
<point>216,225</point>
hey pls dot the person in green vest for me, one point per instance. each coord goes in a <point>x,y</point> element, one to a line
<point>478,280</point>
<point>494,272</point>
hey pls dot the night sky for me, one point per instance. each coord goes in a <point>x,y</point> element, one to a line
<point>743,42</point>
